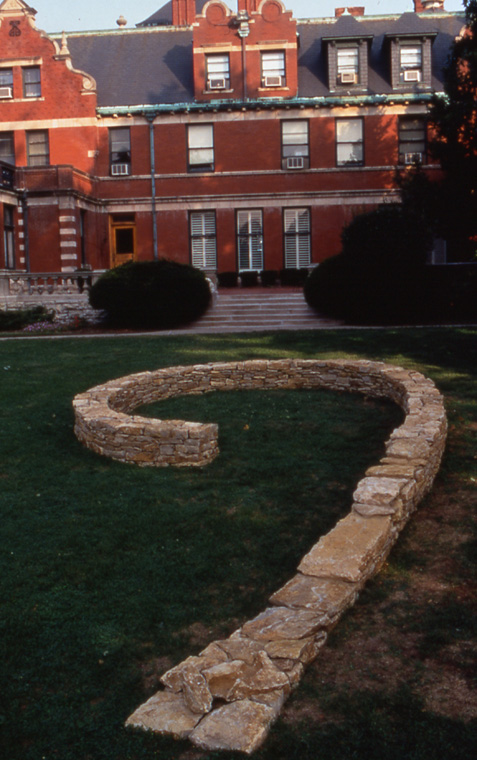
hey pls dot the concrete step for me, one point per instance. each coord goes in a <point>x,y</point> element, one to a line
<point>260,309</point>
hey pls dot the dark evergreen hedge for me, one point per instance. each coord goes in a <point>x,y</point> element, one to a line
<point>151,294</point>
<point>380,275</point>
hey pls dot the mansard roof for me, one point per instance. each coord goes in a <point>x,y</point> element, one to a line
<point>163,17</point>
<point>152,64</point>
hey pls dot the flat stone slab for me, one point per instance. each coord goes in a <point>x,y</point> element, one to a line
<point>241,726</point>
<point>165,713</point>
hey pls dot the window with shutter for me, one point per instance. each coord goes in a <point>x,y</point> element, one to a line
<point>250,240</point>
<point>296,223</point>
<point>203,239</point>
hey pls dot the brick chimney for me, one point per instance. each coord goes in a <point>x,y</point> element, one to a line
<point>183,12</point>
<point>355,11</point>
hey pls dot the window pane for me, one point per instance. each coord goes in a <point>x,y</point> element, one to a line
<point>273,63</point>
<point>347,59</point>
<point>124,240</point>
<point>349,130</point>
<point>7,151</point>
<point>201,136</point>
<point>295,132</point>
<point>411,57</point>
<point>37,146</point>
<point>6,77</point>
<point>218,65</point>
<point>350,153</point>
<point>31,82</point>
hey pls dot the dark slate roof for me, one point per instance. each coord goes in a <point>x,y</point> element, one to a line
<point>138,68</point>
<point>151,65</point>
<point>412,24</point>
<point>163,17</point>
<point>346,27</point>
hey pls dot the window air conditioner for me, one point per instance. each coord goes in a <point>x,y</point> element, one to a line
<point>348,77</point>
<point>6,92</point>
<point>412,75</point>
<point>295,162</point>
<point>272,81</point>
<point>119,169</point>
<point>413,158</point>
<point>217,83</point>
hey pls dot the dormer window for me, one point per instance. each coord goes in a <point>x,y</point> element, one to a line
<point>347,65</point>
<point>217,71</point>
<point>273,69</point>
<point>410,59</point>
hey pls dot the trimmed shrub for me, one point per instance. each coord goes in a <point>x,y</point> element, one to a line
<point>293,277</point>
<point>269,277</point>
<point>151,294</point>
<point>227,279</point>
<point>16,319</point>
<point>249,279</point>
<point>380,275</point>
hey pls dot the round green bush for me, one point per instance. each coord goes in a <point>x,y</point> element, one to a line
<point>152,294</point>
<point>379,277</point>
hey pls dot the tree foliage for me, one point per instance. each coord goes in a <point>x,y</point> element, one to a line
<point>454,119</point>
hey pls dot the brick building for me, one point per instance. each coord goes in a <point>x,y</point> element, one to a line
<point>234,140</point>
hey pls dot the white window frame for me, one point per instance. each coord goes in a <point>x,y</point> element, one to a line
<point>350,142</point>
<point>120,150</point>
<point>273,68</point>
<point>217,68</point>
<point>347,63</point>
<point>250,240</point>
<point>297,238</point>
<point>203,239</point>
<point>295,143</point>
<point>200,143</point>
<point>410,60</point>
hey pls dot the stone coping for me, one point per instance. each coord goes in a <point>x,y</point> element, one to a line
<point>228,695</point>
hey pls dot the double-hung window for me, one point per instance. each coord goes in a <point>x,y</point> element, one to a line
<point>38,148</point>
<point>296,222</point>
<point>218,71</point>
<point>250,240</point>
<point>412,140</point>
<point>273,68</point>
<point>203,241</point>
<point>6,84</point>
<point>7,149</point>
<point>31,82</point>
<point>349,142</point>
<point>120,150</point>
<point>295,144</point>
<point>347,65</point>
<point>200,139</point>
<point>410,61</point>
<point>8,237</point>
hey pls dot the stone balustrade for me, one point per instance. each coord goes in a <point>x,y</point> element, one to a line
<point>228,696</point>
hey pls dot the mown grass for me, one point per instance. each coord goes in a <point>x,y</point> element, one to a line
<point>110,573</point>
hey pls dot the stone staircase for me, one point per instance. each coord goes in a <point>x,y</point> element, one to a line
<point>260,309</point>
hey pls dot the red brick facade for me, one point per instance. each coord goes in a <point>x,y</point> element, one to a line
<point>252,171</point>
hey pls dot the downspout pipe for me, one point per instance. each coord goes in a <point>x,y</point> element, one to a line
<point>152,151</point>
<point>26,238</point>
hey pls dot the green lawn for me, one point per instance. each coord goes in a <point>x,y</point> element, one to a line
<point>110,574</point>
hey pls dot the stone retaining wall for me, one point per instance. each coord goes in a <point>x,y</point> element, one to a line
<point>228,696</point>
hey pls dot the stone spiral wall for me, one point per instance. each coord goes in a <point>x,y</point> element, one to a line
<point>227,696</point>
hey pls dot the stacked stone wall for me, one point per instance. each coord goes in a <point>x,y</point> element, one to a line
<point>227,696</point>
